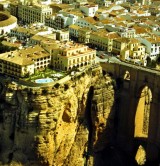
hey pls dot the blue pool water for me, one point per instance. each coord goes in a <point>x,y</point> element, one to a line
<point>44,80</point>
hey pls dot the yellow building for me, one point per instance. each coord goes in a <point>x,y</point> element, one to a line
<point>84,35</point>
<point>70,55</point>
<point>24,62</point>
<point>103,39</point>
<point>38,39</point>
<point>33,13</point>
<point>119,44</point>
<point>134,52</point>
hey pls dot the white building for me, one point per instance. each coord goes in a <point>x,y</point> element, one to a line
<point>61,20</point>
<point>152,46</point>
<point>45,2</point>
<point>106,3</point>
<point>48,2</point>
<point>75,1</point>
<point>62,35</point>
<point>89,10</point>
<point>141,13</point>
<point>127,32</point>
<point>122,31</point>
<point>72,55</point>
<point>89,22</point>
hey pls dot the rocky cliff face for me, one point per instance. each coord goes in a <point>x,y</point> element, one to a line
<point>63,125</point>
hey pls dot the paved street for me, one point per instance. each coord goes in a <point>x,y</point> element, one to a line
<point>105,57</point>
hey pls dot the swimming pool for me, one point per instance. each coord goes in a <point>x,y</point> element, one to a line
<point>44,80</point>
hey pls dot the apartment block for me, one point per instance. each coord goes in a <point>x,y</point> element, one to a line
<point>103,39</point>
<point>61,20</point>
<point>24,62</point>
<point>25,32</point>
<point>50,21</point>
<point>14,8</point>
<point>127,32</point>
<point>72,55</point>
<point>33,13</point>
<point>119,44</point>
<point>134,52</point>
<point>84,35</point>
<point>73,31</point>
<point>152,44</point>
<point>62,35</point>
<point>21,33</point>
<point>89,10</point>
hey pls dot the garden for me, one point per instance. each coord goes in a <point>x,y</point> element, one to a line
<point>47,73</point>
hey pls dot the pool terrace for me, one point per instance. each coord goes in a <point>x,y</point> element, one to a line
<point>45,76</point>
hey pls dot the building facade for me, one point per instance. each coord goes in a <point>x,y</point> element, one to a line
<point>152,44</point>
<point>24,62</point>
<point>33,13</point>
<point>74,31</point>
<point>119,44</point>
<point>62,35</point>
<point>84,35</point>
<point>134,52</point>
<point>103,40</point>
<point>71,55</point>
<point>89,10</point>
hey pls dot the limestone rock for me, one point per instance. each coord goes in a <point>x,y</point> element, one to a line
<point>56,126</point>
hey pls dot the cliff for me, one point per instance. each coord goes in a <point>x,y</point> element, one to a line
<point>62,125</point>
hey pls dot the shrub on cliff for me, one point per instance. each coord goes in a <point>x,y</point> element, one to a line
<point>66,87</point>
<point>57,85</point>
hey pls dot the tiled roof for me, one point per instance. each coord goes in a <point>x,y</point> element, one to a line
<point>90,20</point>
<point>121,39</point>
<point>140,30</point>
<point>113,35</point>
<point>24,56</point>
<point>73,26</point>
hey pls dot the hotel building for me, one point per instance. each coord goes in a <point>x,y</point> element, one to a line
<point>71,55</point>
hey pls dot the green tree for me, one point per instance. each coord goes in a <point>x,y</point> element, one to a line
<point>148,61</point>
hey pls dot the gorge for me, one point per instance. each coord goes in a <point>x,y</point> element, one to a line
<point>84,121</point>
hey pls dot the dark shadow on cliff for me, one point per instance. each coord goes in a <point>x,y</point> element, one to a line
<point>112,156</point>
<point>88,123</point>
<point>106,151</point>
<point>124,119</point>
